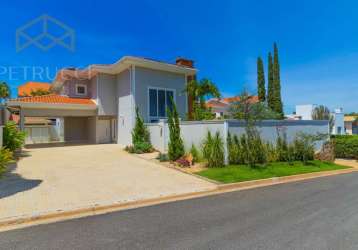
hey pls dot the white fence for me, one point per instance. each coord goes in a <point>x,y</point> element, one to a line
<point>195,132</point>
<point>43,134</point>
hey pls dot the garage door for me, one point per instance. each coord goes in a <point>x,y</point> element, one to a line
<point>104,131</point>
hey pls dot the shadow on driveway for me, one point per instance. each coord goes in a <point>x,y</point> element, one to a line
<point>12,183</point>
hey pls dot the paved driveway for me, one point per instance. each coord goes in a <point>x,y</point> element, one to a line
<point>74,177</point>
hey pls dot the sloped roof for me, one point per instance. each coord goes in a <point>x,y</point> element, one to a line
<point>225,102</point>
<point>53,99</point>
<point>350,118</point>
<point>25,89</point>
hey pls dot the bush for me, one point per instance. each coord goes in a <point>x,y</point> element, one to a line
<point>140,137</point>
<point>195,153</point>
<point>6,157</point>
<point>271,152</point>
<point>213,150</point>
<point>282,148</point>
<point>346,146</point>
<point>256,149</point>
<point>303,148</point>
<point>13,138</point>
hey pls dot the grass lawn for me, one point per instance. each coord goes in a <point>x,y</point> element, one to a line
<point>238,173</point>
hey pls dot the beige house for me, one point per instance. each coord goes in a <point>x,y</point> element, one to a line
<point>351,125</point>
<point>97,105</point>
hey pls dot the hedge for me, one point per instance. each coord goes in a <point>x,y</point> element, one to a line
<point>346,146</point>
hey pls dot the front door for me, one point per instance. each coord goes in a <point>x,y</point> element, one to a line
<point>104,131</point>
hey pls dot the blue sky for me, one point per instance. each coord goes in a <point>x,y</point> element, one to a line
<point>318,41</point>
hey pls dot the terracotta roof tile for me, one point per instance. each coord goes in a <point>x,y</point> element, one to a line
<point>25,89</point>
<point>224,102</point>
<point>54,99</point>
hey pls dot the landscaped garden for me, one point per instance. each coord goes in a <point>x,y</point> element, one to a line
<point>239,173</point>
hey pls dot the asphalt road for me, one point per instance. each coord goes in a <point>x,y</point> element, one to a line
<point>314,214</point>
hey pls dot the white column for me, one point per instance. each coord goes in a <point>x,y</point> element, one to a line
<point>226,150</point>
<point>22,120</point>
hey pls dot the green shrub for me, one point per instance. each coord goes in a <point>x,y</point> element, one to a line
<point>346,146</point>
<point>213,150</point>
<point>175,145</point>
<point>282,148</point>
<point>140,137</point>
<point>303,147</point>
<point>195,153</point>
<point>6,157</point>
<point>234,149</point>
<point>271,152</point>
<point>256,149</point>
<point>13,138</point>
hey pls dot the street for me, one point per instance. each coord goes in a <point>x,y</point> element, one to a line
<point>315,214</point>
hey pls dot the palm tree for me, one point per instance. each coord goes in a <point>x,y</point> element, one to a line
<point>4,91</point>
<point>322,113</point>
<point>198,91</point>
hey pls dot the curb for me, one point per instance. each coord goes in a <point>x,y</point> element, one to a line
<point>17,223</point>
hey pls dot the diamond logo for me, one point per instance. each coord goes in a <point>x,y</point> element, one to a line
<point>45,32</point>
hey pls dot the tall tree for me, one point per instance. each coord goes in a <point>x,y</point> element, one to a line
<point>198,91</point>
<point>323,113</point>
<point>277,107</point>
<point>261,89</point>
<point>271,88</point>
<point>4,91</point>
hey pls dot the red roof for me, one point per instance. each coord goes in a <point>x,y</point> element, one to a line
<point>225,102</point>
<point>54,99</point>
<point>25,89</point>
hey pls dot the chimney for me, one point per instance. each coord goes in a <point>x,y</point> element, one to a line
<point>184,62</point>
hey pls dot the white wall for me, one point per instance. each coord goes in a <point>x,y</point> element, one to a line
<point>305,111</point>
<point>191,133</point>
<point>338,127</point>
<point>195,132</point>
<point>125,108</point>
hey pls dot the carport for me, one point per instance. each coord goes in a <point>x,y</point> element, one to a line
<point>75,117</point>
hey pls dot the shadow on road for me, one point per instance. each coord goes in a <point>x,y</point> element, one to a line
<point>12,183</point>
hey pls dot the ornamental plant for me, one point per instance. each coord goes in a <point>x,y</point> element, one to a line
<point>213,150</point>
<point>175,145</point>
<point>140,136</point>
<point>6,156</point>
<point>13,138</point>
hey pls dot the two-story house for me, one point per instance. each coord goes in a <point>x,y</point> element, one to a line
<point>98,104</point>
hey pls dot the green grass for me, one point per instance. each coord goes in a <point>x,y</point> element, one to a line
<point>238,173</point>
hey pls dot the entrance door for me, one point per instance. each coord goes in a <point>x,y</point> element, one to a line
<point>104,131</point>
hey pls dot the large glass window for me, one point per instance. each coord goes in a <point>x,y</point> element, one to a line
<point>153,103</point>
<point>159,101</point>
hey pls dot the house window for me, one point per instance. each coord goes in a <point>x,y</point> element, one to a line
<point>159,101</point>
<point>81,89</point>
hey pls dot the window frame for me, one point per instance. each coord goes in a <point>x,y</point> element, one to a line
<point>81,85</point>
<point>156,118</point>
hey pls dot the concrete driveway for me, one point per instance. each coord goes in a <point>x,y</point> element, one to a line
<point>73,177</point>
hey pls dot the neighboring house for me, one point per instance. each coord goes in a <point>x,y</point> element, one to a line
<point>304,112</point>
<point>26,89</point>
<point>351,124</point>
<point>98,104</point>
<point>221,106</point>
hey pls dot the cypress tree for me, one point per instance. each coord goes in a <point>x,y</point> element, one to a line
<point>271,89</point>
<point>175,145</point>
<point>277,83</point>
<point>261,90</point>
